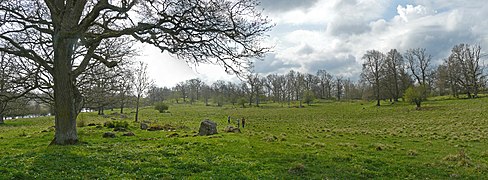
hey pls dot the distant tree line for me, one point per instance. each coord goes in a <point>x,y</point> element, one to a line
<point>385,76</point>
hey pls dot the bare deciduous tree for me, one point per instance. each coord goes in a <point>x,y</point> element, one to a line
<point>142,82</point>
<point>466,68</point>
<point>393,70</point>
<point>418,61</point>
<point>372,70</point>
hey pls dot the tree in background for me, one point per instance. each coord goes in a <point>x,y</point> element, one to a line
<point>393,70</point>
<point>16,80</point>
<point>325,84</point>
<point>465,68</point>
<point>419,64</point>
<point>142,82</point>
<point>373,72</point>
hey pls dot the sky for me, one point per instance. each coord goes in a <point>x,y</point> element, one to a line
<point>334,34</point>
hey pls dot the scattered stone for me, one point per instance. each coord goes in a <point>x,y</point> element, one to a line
<point>155,128</point>
<point>173,135</point>
<point>232,129</point>
<point>144,126</point>
<point>120,129</point>
<point>128,134</point>
<point>207,127</point>
<point>109,135</point>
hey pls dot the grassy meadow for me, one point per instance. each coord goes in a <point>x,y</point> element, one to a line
<point>447,138</point>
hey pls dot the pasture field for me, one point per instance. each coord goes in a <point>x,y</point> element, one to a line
<point>447,138</point>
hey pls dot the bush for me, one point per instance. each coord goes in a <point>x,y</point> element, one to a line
<point>161,107</point>
<point>415,94</point>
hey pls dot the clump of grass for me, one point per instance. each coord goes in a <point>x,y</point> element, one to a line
<point>461,158</point>
<point>380,147</point>
<point>270,138</point>
<point>80,123</point>
<point>297,169</point>
<point>320,145</point>
<point>412,153</point>
<point>352,145</point>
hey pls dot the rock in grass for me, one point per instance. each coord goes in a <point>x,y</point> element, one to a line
<point>128,134</point>
<point>207,127</point>
<point>109,135</point>
<point>232,129</point>
<point>144,126</point>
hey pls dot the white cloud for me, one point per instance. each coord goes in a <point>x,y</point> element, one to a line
<point>411,12</point>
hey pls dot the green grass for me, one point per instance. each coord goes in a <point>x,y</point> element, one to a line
<point>447,138</point>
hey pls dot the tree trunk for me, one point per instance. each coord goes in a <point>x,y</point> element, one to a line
<point>1,119</point>
<point>122,108</point>
<point>137,107</point>
<point>67,98</point>
<point>100,110</point>
<point>377,95</point>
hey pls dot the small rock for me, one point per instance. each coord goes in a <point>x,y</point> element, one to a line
<point>144,126</point>
<point>109,135</point>
<point>155,128</point>
<point>232,129</point>
<point>128,134</point>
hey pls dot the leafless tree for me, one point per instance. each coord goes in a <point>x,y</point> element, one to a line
<point>466,69</point>
<point>394,68</point>
<point>339,87</point>
<point>142,82</point>
<point>325,83</point>
<point>372,70</point>
<point>419,62</point>
<point>16,80</point>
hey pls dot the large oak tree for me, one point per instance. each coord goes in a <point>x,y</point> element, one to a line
<point>63,38</point>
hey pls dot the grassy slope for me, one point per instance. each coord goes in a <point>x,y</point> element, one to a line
<point>448,138</point>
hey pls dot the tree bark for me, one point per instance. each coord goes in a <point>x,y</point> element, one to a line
<point>122,107</point>
<point>137,107</point>
<point>67,98</point>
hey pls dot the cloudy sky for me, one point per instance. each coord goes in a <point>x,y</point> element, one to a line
<point>334,34</point>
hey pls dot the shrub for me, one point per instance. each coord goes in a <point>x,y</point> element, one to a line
<point>415,94</point>
<point>161,107</point>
